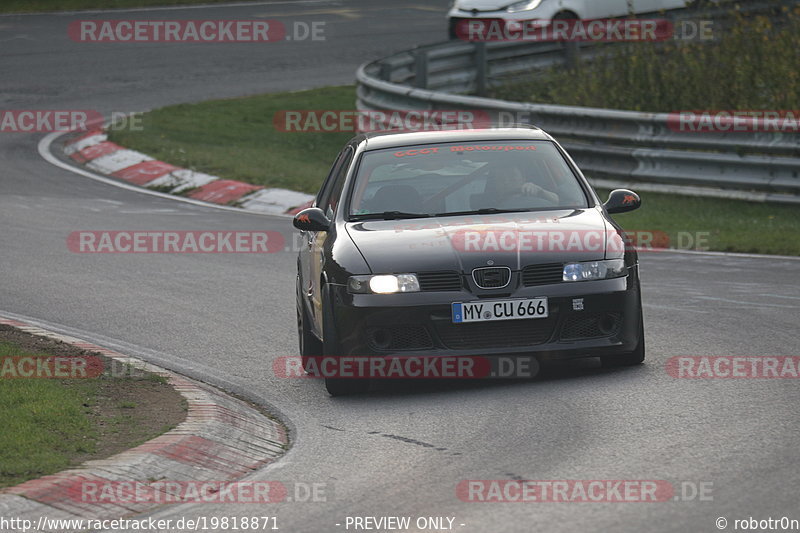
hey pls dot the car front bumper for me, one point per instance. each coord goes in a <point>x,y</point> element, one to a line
<point>586,319</point>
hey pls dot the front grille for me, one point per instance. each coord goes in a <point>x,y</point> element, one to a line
<point>542,274</point>
<point>400,337</point>
<point>491,277</point>
<point>499,334</point>
<point>591,326</point>
<point>439,281</point>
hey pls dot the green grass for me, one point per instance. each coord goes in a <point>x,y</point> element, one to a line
<point>44,424</point>
<point>749,67</point>
<point>49,425</point>
<point>236,139</point>
<point>724,225</point>
<point>32,6</point>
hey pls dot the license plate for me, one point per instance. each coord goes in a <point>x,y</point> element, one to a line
<point>499,310</point>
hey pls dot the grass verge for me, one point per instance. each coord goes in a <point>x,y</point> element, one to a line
<point>236,138</point>
<point>51,424</point>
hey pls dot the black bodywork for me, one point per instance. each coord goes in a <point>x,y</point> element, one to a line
<point>334,321</point>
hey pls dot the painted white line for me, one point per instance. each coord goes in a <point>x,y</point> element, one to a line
<point>44,152</point>
<point>84,143</point>
<point>108,164</point>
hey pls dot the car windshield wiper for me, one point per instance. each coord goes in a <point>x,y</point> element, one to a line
<point>484,211</point>
<point>388,215</point>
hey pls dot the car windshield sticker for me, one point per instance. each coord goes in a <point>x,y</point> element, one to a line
<point>498,148</point>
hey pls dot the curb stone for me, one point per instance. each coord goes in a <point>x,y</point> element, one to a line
<point>93,150</point>
<point>222,440</point>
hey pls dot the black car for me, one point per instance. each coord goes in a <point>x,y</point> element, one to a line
<point>465,243</point>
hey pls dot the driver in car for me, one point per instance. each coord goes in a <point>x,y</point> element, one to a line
<point>508,182</point>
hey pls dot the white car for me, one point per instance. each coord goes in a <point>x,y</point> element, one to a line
<point>545,10</point>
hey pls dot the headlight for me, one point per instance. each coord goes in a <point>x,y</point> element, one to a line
<point>383,284</point>
<point>612,268</point>
<point>525,5</point>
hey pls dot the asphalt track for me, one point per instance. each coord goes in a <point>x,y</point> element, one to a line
<point>402,449</point>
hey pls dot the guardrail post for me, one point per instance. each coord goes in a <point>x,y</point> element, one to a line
<point>571,54</point>
<point>386,72</point>
<point>421,69</point>
<point>481,68</point>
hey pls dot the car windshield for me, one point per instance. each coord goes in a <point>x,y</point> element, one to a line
<point>451,179</point>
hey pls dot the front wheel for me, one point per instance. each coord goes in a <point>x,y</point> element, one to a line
<point>331,348</point>
<point>308,344</point>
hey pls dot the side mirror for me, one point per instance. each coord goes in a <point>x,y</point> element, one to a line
<point>622,201</point>
<point>311,219</point>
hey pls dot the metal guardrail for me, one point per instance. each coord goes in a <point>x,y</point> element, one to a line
<point>607,144</point>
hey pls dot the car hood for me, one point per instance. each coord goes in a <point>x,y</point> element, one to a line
<point>463,243</point>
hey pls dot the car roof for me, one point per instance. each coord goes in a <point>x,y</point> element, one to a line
<point>380,140</point>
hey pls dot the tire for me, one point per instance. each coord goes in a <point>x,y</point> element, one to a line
<point>308,344</point>
<point>636,357</point>
<point>330,347</point>
<point>565,15</point>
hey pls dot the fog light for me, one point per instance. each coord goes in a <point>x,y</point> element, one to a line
<point>381,338</point>
<point>607,324</point>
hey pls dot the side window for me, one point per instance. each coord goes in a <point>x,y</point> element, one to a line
<point>331,199</point>
<point>324,191</point>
